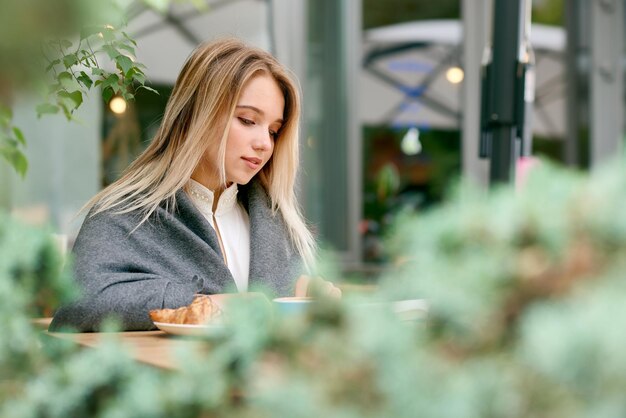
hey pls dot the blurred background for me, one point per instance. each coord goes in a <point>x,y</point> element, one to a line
<point>392,105</point>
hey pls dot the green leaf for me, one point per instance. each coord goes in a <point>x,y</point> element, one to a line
<point>130,75</point>
<point>69,60</point>
<point>108,34</point>
<point>52,64</point>
<point>124,63</point>
<point>111,51</point>
<point>97,71</point>
<point>77,97</point>
<point>16,158</point>
<point>127,96</point>
<point>67,81</point>
<point>127,48</point>
<point>112,82</point>
<point>139,77</point>
<point>87,58</point>
<point>72,100</point>
<point>64,76</point>
<point>112,79</point>
<point>47,108</point>
<point>129,39</point>
<point>19,135</point>
<point>63,104</point>
<point>107,93</point>
<point>85,79</point>
<point>20,163</point>
<point>148,88</point>
<point>6,115</point>
<point>85,53</point>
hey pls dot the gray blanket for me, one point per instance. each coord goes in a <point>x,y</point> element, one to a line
<point>168,259</point>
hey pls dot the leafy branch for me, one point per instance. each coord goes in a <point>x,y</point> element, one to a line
<point>73,67</point>
<point>76,69</point>
<point>12,141</point>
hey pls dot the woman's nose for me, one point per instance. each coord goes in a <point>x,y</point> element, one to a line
<point>262,142</point>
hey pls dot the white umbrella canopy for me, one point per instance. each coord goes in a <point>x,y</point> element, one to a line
<point>164,41</point>
<point>403,78</point>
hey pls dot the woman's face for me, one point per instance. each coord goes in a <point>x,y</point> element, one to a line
<point>257,119</point>
<point>253,129</point>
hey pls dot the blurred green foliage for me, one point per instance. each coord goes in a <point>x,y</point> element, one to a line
<point>59,50</point>
<point>525,291</point>
<point>395,182</point>
<point>388,12</point>
<point>74,69</point>
<point>528,282</point>
<point>548,12</point>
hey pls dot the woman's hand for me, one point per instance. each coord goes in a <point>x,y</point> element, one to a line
<point>306,286</point>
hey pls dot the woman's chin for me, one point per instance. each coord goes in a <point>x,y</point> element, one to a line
<point>242,181</point>
<point>241,178</point>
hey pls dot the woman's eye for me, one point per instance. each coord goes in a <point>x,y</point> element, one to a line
<point>274,134</point>
<point>246,121</point>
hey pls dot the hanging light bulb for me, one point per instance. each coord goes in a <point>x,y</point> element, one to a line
<point>411,144</point>
<point>454,75</point>
<point>117,105</point>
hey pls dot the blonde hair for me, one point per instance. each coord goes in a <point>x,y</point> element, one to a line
<point>196,115</point>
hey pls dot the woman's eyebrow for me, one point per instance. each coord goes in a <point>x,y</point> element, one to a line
<point>257,110</point>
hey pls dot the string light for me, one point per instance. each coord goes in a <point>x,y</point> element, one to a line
<point>117,105</point>
<point>455,75</point>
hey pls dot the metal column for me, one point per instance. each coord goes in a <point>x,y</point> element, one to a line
<point>476,18</point>
<point>503,102</point>
<point>606,79</point>
<point>576,63</point>
<point>332,154</point>
<point>353,26</point>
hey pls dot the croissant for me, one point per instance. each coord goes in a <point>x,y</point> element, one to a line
<point>200,311</point>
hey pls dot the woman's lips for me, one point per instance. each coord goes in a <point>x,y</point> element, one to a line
<point>252,162</point>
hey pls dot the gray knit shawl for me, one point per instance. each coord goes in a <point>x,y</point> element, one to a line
<point>163,263</point>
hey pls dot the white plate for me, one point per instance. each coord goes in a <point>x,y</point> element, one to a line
<point>406,310</point>
<point>210,330</point>
<point>410,309</point>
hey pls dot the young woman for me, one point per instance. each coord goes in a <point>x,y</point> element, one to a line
<point>209,207</point>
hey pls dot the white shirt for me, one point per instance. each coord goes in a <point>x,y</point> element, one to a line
<point>233,226</point>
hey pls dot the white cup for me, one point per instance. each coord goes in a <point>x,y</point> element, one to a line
<point>292,304</point>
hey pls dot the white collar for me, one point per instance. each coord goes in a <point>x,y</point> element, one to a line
<point>203,198</point>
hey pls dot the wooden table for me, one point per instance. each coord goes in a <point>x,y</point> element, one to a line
<point>155,348</point>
